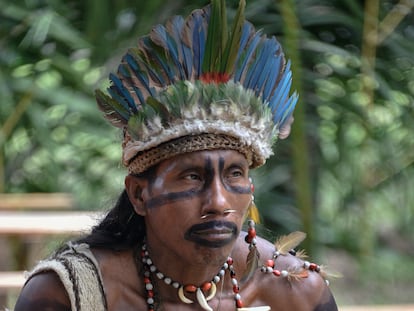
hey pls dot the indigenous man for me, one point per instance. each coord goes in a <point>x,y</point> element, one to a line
<point>199,107</point>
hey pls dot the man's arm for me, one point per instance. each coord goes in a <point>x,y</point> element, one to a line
<point>307,291</point>
<point>43,292</point>
<point>330,305</point>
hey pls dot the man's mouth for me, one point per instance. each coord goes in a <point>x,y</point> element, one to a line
<point>212,234</point>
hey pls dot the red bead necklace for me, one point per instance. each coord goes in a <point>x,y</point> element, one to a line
<point>207,288</point>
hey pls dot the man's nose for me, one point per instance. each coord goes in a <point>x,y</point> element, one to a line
<point>216,199</point>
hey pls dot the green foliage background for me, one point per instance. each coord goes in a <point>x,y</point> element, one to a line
<point>345,175</point>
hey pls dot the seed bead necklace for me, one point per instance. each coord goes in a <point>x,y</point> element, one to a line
<point>208,288</point>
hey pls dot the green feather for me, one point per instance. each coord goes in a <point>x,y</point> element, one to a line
<point>223,29</point>
<point>135,125</point>
<point>113,111</point>
<point>233,44</point>
<point>221,47</point>
<point>216,37</point>
<point>159,108</point>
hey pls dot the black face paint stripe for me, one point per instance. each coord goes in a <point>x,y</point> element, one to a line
<point>170,198</point>
<point>183,195</point>
<point>239,190</point>
<point>209,174</point>
<point>189,194</point>
<point>232,189</point>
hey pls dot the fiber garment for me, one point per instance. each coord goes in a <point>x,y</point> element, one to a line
<point>78,271</point>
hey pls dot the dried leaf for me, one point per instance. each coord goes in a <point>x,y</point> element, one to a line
<point>252,263</point>
<point>327,274</point>
<point>297,273</point>
<point>287,242</point>
<point>301,254</point>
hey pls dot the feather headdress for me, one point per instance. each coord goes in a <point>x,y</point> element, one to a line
<point>194,84</point>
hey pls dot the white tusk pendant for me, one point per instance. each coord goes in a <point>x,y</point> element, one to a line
<point>182,296</point>
<point>202,300</point>
<point>213,290</point>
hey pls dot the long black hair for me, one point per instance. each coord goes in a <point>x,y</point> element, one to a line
<point>121,228</point>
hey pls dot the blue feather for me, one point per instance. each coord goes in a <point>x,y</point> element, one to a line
<point>285,111</point>
<point>272,79</point>
<point>269,79</point>
<point>145,57</point>
<point>257,66</point>
<point>158,36</point>
<point>155,76</point>
<point>164,67</point>
<point>176,58</point>
<point>139,95</point>
<point>271,69</point>
<point>124,71</point>
<point>246,58</point>
<point>154,64</point>
<point>262,62</point>
<point>281,95</point>
<point>279,106</point>
<point>161,37</point>
<point>284,83</point>
<point>267,74</point>
<point>131,62</point>
<point>114,111</point>
<point>174,27</point>
<point>198,43</point>
<point>123,92</point>
<point>141,76</point>
<point>280,110</point>
<point>247,30</point>
<point>290,106</point>
<point>188,60</point>
<point>125,111</point>
<point>283,87</point>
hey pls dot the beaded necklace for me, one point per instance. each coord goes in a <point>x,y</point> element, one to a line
<point>207,287</point>
<point>284,246</point>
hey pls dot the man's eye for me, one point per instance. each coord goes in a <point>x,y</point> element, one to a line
<point>192,177</point>
<point>235,173</point>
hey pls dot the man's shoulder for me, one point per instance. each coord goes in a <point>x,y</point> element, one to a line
<point>268,250</point>
<point>286,280</point>
<point>43,291</point>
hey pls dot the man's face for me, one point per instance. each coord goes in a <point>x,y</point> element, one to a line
<point>195,203</point>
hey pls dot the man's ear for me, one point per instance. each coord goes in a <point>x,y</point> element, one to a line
<point>134,186</point>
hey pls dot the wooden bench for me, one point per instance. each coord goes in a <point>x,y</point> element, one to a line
<point>10,280</point>
<point>47,222</point>
<point>41,223</point>
<point>29,217</point>
<point>36,201</point>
